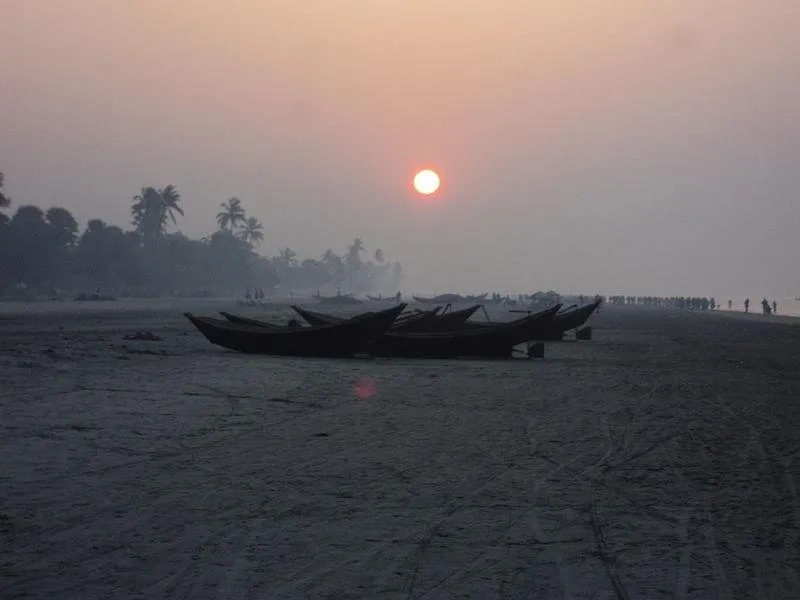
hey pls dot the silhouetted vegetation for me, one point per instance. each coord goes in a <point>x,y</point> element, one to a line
<point>44,253</point>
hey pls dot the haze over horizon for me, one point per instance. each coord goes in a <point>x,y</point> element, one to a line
<point>619,147</point>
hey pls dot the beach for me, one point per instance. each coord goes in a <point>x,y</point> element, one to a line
<point>661,459</point>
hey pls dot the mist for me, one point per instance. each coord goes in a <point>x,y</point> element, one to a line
<point>618,148</point>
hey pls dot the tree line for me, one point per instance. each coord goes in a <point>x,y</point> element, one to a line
<point>44,252</point>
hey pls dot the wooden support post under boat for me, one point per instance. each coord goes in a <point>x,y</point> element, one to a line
<point>536,350</point>
<point>532,350</point>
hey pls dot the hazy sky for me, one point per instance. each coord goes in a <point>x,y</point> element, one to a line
<point>612,145</point>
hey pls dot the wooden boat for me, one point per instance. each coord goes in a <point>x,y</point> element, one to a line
<point>433,322</point>
<point>571,318</point>
<point>453,320</point>
<point>415,319</point>
<point>533,327</point>
<point>343,339</point>
<point>474,343</point>
<point>248,321</point>
<point>440,299</point>
<point>476,340</point>
<point>338,299</point>
<point>382,298</point>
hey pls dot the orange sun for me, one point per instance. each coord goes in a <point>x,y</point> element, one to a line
<point>426,182</point>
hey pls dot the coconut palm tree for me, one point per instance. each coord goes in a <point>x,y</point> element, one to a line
<point>286,258</point>
<point>354,251</point>
<point>231,215</point>
<point>251,231</point>
<point>152,208</point>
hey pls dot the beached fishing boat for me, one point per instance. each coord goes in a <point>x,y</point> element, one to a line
<point>343,339</point>
<point>317,319</point>
<point>433,322</point>
<point>338,299</point>
<point>532,327</point>
<point>249,321</point>
<point>440,299</point>
<point>414,319</point>
<point>474,343</point>
<point>566,320</point>
<point>471,339</point>
<point>474,340</point>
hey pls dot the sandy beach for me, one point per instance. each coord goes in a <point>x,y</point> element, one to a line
<point>659,460</point>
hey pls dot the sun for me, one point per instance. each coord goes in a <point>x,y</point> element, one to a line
<point>426,182</point>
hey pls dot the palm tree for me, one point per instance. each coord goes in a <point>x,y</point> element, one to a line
<point>231,215</point>
<point>330,257</point>
<point>354,251</point>
<point>252,231</point>
<point>151,209</point>
<point>286,257</point>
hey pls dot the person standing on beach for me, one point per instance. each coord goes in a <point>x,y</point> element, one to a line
<point>730,304</point>
<point>746,305</point>
<point>774,307</point>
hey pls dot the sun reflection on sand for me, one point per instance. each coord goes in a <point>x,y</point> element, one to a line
<point>365,388</point>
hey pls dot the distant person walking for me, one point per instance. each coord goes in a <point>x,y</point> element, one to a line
<point>747,305</point>
<point>730,304</point>
<point>774,307</point>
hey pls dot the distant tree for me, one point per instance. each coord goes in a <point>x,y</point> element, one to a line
<point>232,260</point>
<point>354,251</point>
<point>251,231</point>
<point>64,226</point>
<point>43,251</point>
<point>231,215</point>
<point>31,248</point>
<point>334,266</point>
<point>5,201</point>
<point>152,209</point>
<point>286,258</point>
<point>109,256</point>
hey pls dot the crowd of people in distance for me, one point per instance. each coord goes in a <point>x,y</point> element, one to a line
<point>690,303</point>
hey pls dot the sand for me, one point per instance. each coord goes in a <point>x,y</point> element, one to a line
<point>659,460</point>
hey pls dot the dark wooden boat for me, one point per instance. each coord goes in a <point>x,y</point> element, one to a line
<point>312,318</point>
<point>407,321</point>
<point>533,327</point>
<point>432,322</point>
<point>571,318</point>
<point>248,321</point>
<point>473,343</point>
<point>473,340</point>
<point>453,320</point>
<point>343,339</point>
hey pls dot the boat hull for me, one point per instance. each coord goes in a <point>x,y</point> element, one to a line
<point>340,340</point>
